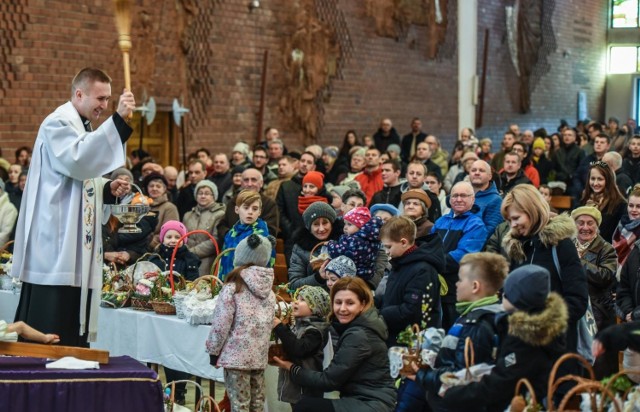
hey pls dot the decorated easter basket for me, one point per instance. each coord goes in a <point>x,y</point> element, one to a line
<point>276,348</point>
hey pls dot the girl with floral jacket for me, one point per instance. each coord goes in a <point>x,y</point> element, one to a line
<point>243,318</point>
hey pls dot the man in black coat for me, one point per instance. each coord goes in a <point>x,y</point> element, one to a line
<point>410,141</point>
<point>386,135</point>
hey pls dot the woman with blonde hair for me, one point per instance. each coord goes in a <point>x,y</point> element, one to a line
<point>537,238</point>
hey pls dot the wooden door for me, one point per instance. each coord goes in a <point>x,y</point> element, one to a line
<point>159,139</point>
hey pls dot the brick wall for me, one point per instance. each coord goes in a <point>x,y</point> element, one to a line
<point>216,69</point>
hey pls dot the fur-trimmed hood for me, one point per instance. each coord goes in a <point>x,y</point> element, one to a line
<point>559,228</point>
<point>542,328</point>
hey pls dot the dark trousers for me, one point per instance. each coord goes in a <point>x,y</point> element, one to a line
<point>412,397</point>
<point>309,404</point>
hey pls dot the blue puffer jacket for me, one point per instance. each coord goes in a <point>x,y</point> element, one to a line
<point>461,234</point>
<point>489,202</point>
<point>362,247</point>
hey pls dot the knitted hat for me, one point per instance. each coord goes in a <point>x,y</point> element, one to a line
<point>386,207</point>
<point>469,156</point>
<point>172,225</point>
<point>342,266</point>
<point>237,170</point>
<point>154,176</point>
<point>394,148</point>
<point>317,299</point>
<point>358,216</point>
<point>340,190</point>
<point>315,178</point>
<point>538,143</point>
<point>241,147</point>
<point>254,249</point>
<point>589,211</point>
<point>121,171</point>
<point>419,194</point>
<point>318,210</point>
<point>331,151</point>
<point>528,287</point>
<point>207,183</point>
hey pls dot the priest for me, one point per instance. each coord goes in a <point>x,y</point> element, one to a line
<point>58,242</point>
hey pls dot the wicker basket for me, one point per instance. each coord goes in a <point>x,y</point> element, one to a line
<point>276,348</point>
<point>412,355</point>
<point>518,402</point>
<point>553,384</point>
<point>139,303</point>
<point>110,299</point>
<point>316,261</point>
<point>163,307</point>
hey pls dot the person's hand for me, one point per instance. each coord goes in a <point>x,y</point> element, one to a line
<point>322,271</point>
<point>123,258</point>
<point>51,338</point>
<point>415,368</point>
<point>110,256</point>
<point>283,364</point>
<point>628,317</point>
<point>126,104</point>
<point>276,321</point>
<point>120,187</point>
<point>597,348</point>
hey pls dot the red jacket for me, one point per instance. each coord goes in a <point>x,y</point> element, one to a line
<point>370,182</point>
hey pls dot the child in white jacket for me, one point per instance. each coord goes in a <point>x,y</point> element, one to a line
<point>243,318</point>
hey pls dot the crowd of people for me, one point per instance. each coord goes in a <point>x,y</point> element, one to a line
<point>385,232</point>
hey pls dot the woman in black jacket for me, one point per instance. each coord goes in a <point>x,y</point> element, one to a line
<point>360,366</point>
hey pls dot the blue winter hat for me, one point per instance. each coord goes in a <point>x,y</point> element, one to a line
<point>386,207</point>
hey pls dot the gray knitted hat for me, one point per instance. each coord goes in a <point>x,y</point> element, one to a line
<point>207,183</point>
<point>121,171</point>
<point>318,210</point>
<point>254,249</point>
<point>528,287</point>
<point>342,266</point>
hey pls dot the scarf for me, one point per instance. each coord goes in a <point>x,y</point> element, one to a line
<point>624,237</point>
<point>305,201</point>
<point>465,307</point>
<point>234,236</point>
<point>582,247</point>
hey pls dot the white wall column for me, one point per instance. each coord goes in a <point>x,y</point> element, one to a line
<point>467,63</point>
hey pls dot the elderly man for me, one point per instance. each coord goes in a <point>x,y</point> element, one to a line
<point>599,260</point>
<point>462,231</point>
<point>487,196</point>
<point>251,180</point>
<point>171,174</point>
<point>513,174</point>
<point>386,135</point>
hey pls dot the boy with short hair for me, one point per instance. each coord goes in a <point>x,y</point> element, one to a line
<point>536,322</point>
<point>412,292</point>
<point>481,276</point>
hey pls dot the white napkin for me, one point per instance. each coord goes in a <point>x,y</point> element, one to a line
<point>69,362</point>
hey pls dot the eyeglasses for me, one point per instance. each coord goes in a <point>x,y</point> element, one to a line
<point>599,163</point>
<point>460,196</point>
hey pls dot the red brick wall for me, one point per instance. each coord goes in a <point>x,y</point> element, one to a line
<point>48,41</point>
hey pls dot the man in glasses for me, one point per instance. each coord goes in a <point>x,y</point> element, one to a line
<point>462,231</point>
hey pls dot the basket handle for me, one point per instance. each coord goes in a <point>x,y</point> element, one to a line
<point>215,266</point>
<point>319,244</point>
<point>552,376</point>
<point>213,405</point>
<point>611,381</point>
<point>525,382</point>
<point>469,356</point>
<point>175,250</point>
<point>211,278</point>
<point>589,386</point>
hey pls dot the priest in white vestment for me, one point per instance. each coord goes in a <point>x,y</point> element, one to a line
<point>58,243</point>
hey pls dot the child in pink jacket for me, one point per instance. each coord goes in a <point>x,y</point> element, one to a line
<point>243,318</point>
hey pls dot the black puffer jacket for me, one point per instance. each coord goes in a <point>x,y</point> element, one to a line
<point>412,283</point>
<point>571,284</point>
<point>533,343</point>
<point>186,263</point>
<point>359,369</point>
<point>628,293</point>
